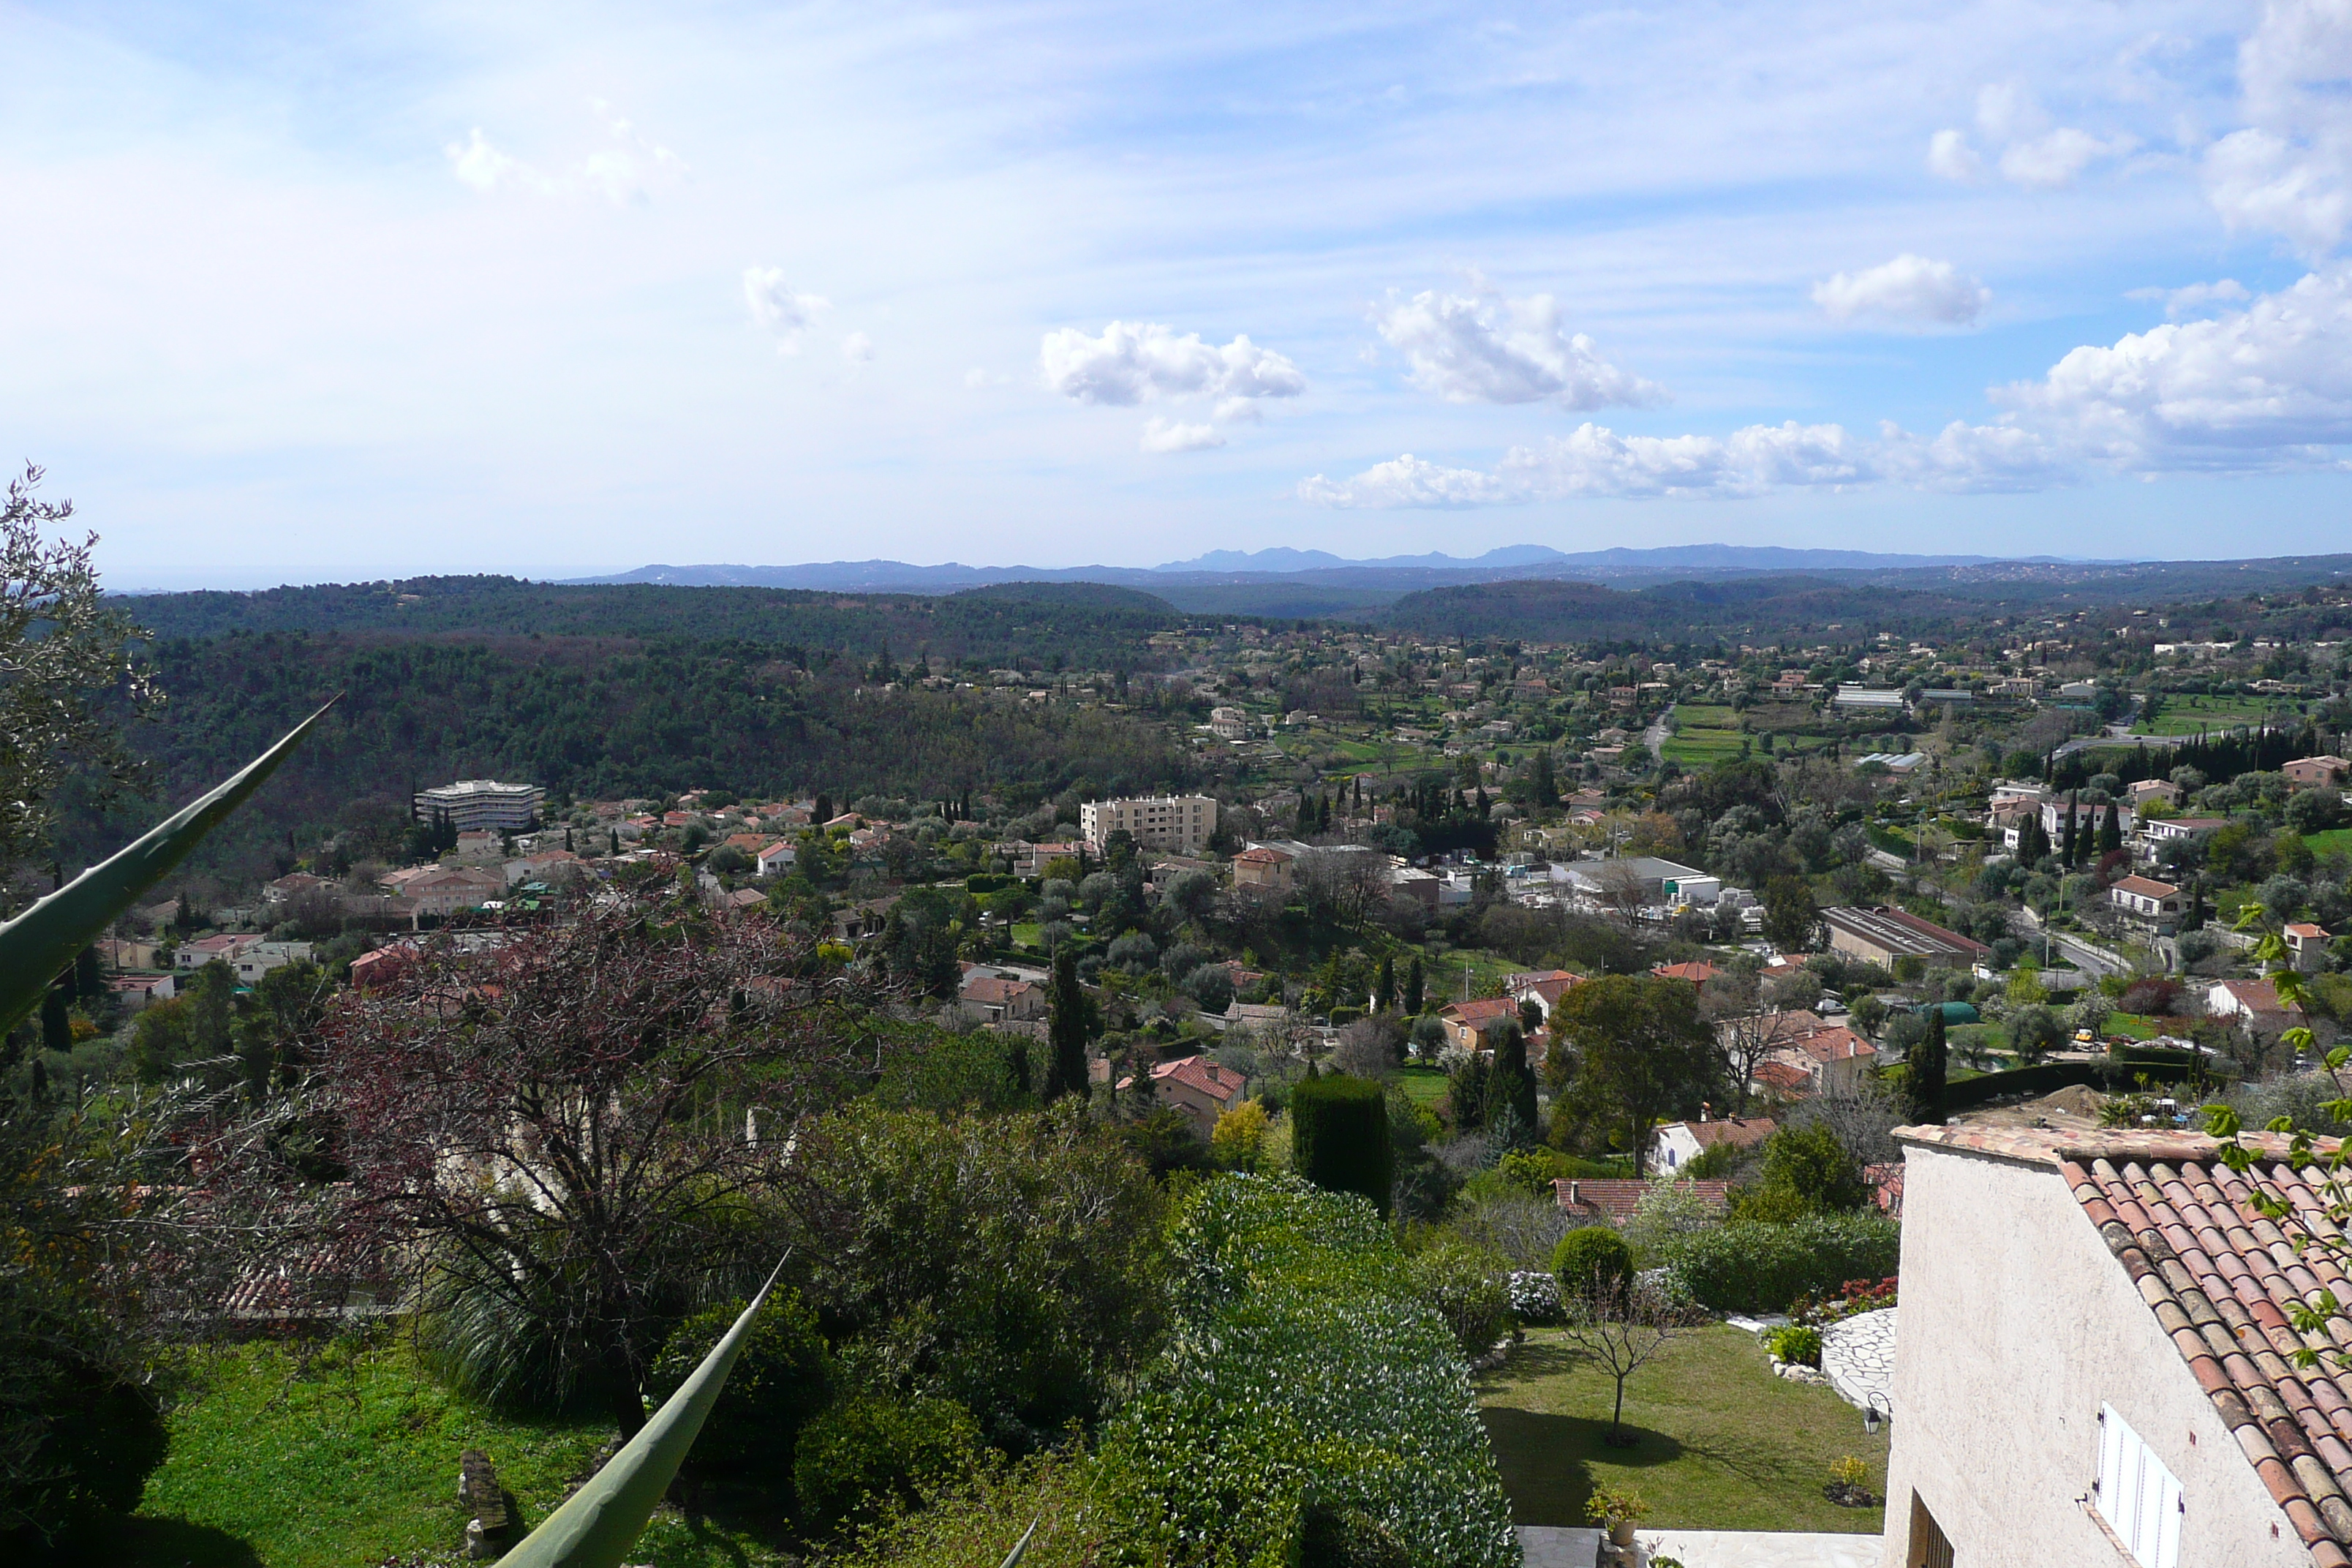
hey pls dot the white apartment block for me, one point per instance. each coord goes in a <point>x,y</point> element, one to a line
<point>1180,823</point>
<point>482,805</point>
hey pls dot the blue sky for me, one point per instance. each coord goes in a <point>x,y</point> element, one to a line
<point>302,293</point>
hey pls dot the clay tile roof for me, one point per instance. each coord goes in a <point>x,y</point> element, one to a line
<point>1203,1074</point>
<point>1697,974</point>
<point>2221,1280</point>
<point>1740,1131</point>
<point>1484,1009</point>
<point>1784,1077</point>
<point>1613,1200</point>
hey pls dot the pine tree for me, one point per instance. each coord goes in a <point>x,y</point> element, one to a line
<point>1070,1019</point>
<point>1415,991</point>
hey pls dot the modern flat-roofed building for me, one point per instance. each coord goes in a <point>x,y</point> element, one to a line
<point>1883,935</point>
<point>482,805</point>
<point>1180,822</point>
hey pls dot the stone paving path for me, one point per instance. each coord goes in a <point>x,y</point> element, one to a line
<point>1760,1549</point>
<point>1858,1358</point>
<point>1557,1546</point>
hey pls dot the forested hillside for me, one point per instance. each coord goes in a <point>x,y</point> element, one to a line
<point>602,717</point>
<point>1088,625</point>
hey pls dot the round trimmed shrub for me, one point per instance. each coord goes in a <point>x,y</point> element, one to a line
<point>867,1451</point>
<point>1340,1137</point>
<point>783,1376</point>
<point>1591,1256</point>
<point>1470,1287</point>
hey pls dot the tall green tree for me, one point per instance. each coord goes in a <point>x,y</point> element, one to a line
<point>1510,1084</point>
<point>1791,918</point>
<point>1416,988</point>
<point>1070,1023</point>
<point>1384,988</point>
<point>2110,830</point>
<point>1340,1136</point>
<point>1630,1051</point>
<point>1543,787</point>
<point>1924,1066</point>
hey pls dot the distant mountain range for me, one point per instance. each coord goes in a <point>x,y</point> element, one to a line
<point>1401,572</point>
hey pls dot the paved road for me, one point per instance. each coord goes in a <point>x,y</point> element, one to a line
<point>1654,737</point>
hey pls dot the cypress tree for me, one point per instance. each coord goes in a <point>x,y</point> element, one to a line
<point>1924,1072</point>
<point>1069,1022</point>
<point>1414,988</point>
<point>1340,1136</point>
<point>2111,831</point>
<point>2067,847</point>
<point>57,1029</point>
<point>1384,988</point>
<point>1510,1087</point>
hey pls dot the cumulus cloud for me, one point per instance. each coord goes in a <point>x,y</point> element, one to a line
<point>1909,289</point>
<point>2269,386</point>
<point>2289,170</point>
<point>626,171</point>
<point>1484,348</point>
<point>2033,150</point>
<point>1964,457</point>
<point>1593,462</point>
<point>1951,156</point>
<point>1136,364</point>
<point>1407,481</point>
<point>778,309</point>
<point>857,348</point>
<point>2194,299</point>
<point>1173,435</point>
<point>2051,161</point>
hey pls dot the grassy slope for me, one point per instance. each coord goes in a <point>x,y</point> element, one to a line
<point>354,1459</point>
<point>1724,1444</point>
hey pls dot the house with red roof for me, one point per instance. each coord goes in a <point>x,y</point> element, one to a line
<point>2145,900</point>
<point>2308,944</point>
<point>1198,1087</point>
<point>1544,988</point>
<point>1677,1143</point>
<point>1003,996</point>
<point>1697,974</point>
<point>1467,1023</point>
<point>1611,1202</point>
<point>2098,1360</point>
<point>2251,1004</point>
<point>1831,1058</point>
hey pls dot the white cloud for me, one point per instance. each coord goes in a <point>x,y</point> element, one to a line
<point>2289,170</point>
<point>1171,435</point>
<point>1974,458</point>
<point>2052,161</point>
<point>484,167</point>
<point>1951,156</point>
<point>777,310</point>
<point>1910,289</point>
<point>625,173</point>
<point>857,349</point>
<point>1593,462</point>
<point>1488,349</point>
<point>2033,151</point>
<point>2269,386</point>
<point>1407,481</point>
<point>1130,364</point>
<point>2194,299</point>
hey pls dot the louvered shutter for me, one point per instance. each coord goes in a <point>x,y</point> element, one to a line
<point>2138,1498</point>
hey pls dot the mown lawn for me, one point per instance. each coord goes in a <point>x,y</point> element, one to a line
<point>1704,733</point>
<point>2333,841</point>
<point>352,1458</point>
<point>1422,1086</point>
<point>2185,715</point>
<point>1724,1445</point>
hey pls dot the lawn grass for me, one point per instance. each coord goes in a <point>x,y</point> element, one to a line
<point>2138,1026</point>
<point>2186,714</point>
<point>1724,1445</point>
<point>1705,734</point>
<point>2334,840</point>
<point>353,1459</point>
<point>1422,1086</point>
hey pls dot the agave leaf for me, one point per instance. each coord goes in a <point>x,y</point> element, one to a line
<point>598,1524</point>
<point>36,947</point>
<point>1021,1547</point>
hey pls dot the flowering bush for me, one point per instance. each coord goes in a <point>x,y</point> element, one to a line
<point>1853,1298</point>
<point>1534,1297</point>
<point>1306,1390</point>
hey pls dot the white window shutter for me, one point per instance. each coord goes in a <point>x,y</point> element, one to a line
<point>2138,1498</point>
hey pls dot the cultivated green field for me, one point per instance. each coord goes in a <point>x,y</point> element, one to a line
<point>2185,715</point>
<point>1704,735</point>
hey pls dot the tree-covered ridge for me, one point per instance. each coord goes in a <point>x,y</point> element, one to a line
<point>1088,624</point>
<point>599,719</point>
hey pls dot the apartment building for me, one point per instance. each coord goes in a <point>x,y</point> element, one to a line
<point>482,805</point>
<point>1181,824</point>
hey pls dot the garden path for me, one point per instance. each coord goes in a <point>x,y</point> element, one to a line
<point>1858,1358</point>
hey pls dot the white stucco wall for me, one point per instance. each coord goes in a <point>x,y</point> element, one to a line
<point>2016,1323</point>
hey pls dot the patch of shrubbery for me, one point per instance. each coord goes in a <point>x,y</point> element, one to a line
<point>1751,1265</point>
<point>1470,1289</point>
<point>1592,1259</point>
<point>1309,1397</point>
<point>869,1452</point>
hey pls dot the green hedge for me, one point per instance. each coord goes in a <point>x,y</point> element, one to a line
<point>1340,1137</point>
<point>1753,1266</point>
<point>1306,1388</point>
<point>2051,1077</point>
